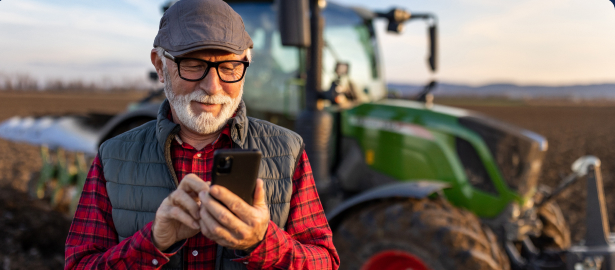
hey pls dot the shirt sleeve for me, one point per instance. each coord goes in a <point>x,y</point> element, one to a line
<point>92,241</point>
<point>307,242</point>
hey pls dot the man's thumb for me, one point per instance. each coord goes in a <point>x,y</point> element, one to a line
<point>259,193</point>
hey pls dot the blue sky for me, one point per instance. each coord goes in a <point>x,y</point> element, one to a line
<point>553,42</point>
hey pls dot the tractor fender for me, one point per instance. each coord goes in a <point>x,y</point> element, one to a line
<point>146,111</point>
<point>414,189</point>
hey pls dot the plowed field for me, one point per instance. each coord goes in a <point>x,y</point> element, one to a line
<point>572,131</point>
<point>31,234</point>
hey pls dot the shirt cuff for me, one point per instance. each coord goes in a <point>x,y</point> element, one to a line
<point>274,241</point>
<point>150,253</point>
<point>173,249</point>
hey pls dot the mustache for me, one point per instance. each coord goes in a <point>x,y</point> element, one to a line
<point>201,97</point>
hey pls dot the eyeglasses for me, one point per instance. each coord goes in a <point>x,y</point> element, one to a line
<point>193,69</point>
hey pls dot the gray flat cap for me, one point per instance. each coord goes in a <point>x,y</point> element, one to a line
<point>192,25</point>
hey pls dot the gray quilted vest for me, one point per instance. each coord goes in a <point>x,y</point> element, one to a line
<point>139,172</point>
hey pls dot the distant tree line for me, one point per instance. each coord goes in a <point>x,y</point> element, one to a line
<point>25,82</point>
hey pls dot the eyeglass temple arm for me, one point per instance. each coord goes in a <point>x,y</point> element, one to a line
<point>168,55</point>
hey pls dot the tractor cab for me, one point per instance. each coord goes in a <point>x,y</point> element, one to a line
<point>275,83</point>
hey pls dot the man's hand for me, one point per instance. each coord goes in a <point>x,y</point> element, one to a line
<point>240,226</point>
<point>178,215</point>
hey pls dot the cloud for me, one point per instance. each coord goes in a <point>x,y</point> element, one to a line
<point>481,41</point>
<point>525,41</point>
<point>62,18</point>
<point>76,39</point>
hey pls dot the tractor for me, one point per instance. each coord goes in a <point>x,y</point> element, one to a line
<point>406,183</point>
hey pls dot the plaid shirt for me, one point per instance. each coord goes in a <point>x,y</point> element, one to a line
<point>93,242</point>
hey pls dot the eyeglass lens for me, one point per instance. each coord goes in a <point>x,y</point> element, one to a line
<point>193,69</point>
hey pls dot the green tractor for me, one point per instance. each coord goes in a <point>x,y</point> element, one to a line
<point>406,184</point>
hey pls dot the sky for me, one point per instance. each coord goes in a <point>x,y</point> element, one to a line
<point>537,42</point>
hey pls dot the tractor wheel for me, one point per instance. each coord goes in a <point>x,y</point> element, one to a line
<point>416,234</point>
<point>555,230</point>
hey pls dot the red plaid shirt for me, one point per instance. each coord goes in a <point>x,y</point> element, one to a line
<point>305,244</point>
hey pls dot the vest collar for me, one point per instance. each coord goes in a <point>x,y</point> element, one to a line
<point>239,125</point>
<point>166,127</point>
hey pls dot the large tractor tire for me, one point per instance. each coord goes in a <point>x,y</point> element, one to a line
<point>555,231</point>
<point>416,234</point>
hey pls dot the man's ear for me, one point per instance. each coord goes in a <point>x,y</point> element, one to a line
<point>157,62</point>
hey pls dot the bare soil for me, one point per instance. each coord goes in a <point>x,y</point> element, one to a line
<point>32,235</point>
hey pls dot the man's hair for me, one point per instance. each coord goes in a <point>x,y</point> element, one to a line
<point>160,52</point>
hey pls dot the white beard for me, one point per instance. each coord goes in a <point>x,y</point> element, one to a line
<point>205,122</point>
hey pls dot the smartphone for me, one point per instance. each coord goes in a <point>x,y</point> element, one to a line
<point>237,170</point>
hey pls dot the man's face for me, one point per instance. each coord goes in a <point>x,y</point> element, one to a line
<point>203,106</point>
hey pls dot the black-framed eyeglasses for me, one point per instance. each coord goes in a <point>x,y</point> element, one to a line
<point>194,69</point>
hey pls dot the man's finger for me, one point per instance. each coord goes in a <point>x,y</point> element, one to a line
<point>192,184</point>
<point>259,193</point>
<point>222,215</point>
<point>202,194</point>
<point>234,203</point>
<point>180,215</point>
<point>213,230</point>
<point>182,199</point>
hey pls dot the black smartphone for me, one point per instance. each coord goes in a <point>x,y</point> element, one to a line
<point>237,170</point>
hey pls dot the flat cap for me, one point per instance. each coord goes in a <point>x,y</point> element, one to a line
<point>192,25</point>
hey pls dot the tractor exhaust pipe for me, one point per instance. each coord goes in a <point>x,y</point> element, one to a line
<point>313,124</point>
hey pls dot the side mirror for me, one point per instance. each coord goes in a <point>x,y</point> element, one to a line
<point>397,17</point>
<point>433,47</point>
<point>294,22</point>
<point>395,27</point>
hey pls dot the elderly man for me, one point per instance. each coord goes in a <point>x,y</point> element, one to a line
<point>147,202</point>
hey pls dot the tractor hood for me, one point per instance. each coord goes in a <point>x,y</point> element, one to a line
<point>517,152</point>
<point>480,156</point>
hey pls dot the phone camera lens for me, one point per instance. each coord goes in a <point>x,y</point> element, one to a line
<point>224,165</point>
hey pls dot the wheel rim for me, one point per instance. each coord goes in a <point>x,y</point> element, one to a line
<point>394,260</point>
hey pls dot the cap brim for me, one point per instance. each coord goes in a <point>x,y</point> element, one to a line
<point>206,47</point>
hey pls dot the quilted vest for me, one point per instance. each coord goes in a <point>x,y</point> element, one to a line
<point>139,172</point>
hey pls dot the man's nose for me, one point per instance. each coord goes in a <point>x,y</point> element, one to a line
<point>211,84</point>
